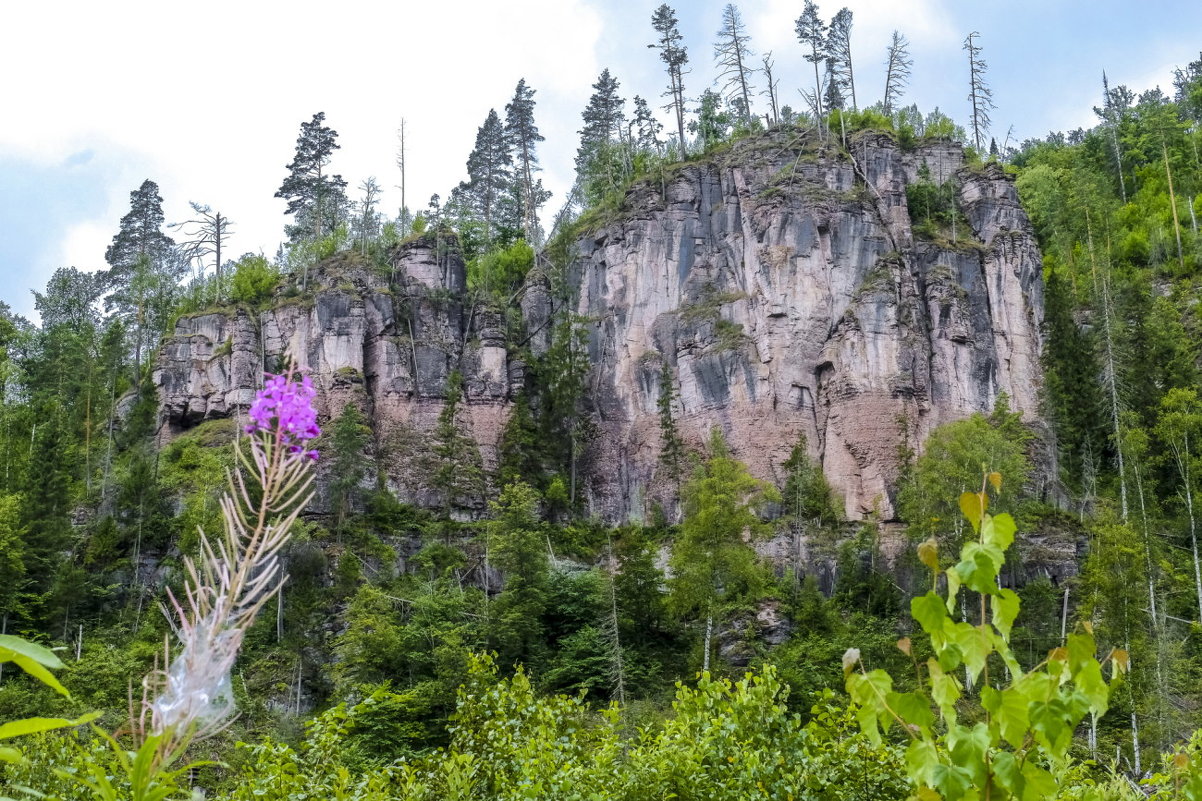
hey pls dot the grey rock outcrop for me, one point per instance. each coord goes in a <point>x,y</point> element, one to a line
<point>788,295</point>
<point>387,343</point>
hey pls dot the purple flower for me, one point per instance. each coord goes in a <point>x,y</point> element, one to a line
<point>287,406</point>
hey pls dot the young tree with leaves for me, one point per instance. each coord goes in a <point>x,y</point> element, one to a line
<point>315,199</point>
<point>675,56</point>
<point>711,563</point>
<point>811,32</point>
<point>733,54</point>
<point>979,93</point>
<point>897,71</point>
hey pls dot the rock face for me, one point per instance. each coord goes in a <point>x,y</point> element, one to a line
<point>787,295</point>
<point>386,343</point>
<point>780,283</point>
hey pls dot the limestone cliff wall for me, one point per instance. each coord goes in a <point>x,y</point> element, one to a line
<point>786,293</point>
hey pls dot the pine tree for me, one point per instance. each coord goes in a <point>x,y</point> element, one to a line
<point>488,191</point>
<point>523,139</point>
<point>671,452</point>
<point>832,98</point>
<point>455,472</point>
<point>897,71</point>
<point>979,93</point>
<point>517,547</point>
<point>140,235</point>
<point>674,56</point>
<point>733,55</point>
<point>315,199</point>
<point>838,47</point>
<point>811,32</point>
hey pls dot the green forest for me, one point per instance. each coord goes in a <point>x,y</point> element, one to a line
<point>530,650</point>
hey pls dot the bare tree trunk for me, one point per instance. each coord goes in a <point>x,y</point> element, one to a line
<point>709,631</point>
<point>1173,203</point>
<point>1110,377</point>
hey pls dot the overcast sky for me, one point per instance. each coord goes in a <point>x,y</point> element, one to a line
<point>208,101</point>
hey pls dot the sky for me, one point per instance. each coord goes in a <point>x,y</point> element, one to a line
<point>207,99</point>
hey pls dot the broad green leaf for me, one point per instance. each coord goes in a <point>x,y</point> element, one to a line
<point>1005,610</point>
<point>1008,772</point>
<point>928,611</point>
<point>928,553</point>
<point>921,758</point>
<point>11,646</point>
<point>1090,684</point>
<point>998,531</point>
<point>17,728</point>
<point>978,567</point>
<point>1081,650</point>
<point>1009,710</point>
<point>1040,783</point>
<point>10,755</point>
<point>912,708</point>
<point>974,645</point>
<point>973,508</point>
<point>35,669</point>
<point>944,691</point>
<point>953,588</point>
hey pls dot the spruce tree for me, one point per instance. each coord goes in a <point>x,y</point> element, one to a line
<point>601,138</point>
<point>674,56</point>
<point>524,137</point>
<point>488,191</point>
<point>315,199</point>
<point>647,127</point>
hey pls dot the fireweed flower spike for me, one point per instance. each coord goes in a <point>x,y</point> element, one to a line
<point>237,573</point>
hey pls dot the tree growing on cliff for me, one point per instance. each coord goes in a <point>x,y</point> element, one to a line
<point>897,71</point>
<point>523,136</point>
<point>602,160</point>
<point>646,127</point>
<point>145,270</point>
<point>712,564</point>
<point>349,437</point>
<point>733,54</point>
<point>488,191</point>
<point>838,48</point>
<point>316,199</point>
<point>207,233</point>
<point>675,56</point>
<point>455,472</point>
<point>812,33</point>
<point>979,93</point>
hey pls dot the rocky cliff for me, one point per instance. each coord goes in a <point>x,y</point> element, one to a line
<point>779,282</point>
<point>385,342</point>
<point>783,287</point>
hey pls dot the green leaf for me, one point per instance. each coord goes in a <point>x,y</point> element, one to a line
<point>928,611</point>
<point>953,588</point>
<point>944,691</point>
<point>1009,710</point>
<point>11,646</point>
<point>1040,783</point>
<point>10,755</point>
<point>921,758</point>
<point>973,508</point>
<point>17,728</point>
<point>1005,610</point>
<point>974,645</point>
<point>998,531</point>
<point>912,708</point>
